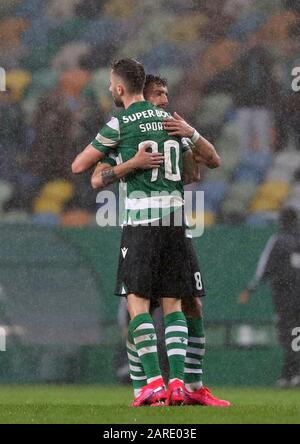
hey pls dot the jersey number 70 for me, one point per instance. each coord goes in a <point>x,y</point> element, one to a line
<point>168,145</point>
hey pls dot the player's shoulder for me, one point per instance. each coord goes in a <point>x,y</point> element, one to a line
<point>114,123</point>
<point>109,134</point>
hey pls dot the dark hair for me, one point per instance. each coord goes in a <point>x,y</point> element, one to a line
<point>133,74</point>
<point>156,80</point>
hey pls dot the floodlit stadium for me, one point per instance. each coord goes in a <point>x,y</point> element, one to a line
<point>231,70</point>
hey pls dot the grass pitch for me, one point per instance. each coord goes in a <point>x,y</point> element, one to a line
<point>43,404</point>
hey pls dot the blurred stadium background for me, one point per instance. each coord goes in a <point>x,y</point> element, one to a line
<point>227,62</point>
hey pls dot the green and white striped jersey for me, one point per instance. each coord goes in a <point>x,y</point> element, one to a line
<point>150,194</point>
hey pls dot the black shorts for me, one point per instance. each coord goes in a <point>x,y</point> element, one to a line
<point>196,276</point>
<point>158,262</point>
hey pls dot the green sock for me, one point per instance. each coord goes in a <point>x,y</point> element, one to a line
<point>137,374</point>
<point>176,334</point>
<point>145,340</point>
<point>194,354</point>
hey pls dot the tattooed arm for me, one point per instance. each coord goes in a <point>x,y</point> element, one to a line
<point>105,174</point>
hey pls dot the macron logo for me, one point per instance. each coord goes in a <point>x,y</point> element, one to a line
<point>124,252</point>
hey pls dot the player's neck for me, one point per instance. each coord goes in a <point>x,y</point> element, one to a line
<point>133,99</point>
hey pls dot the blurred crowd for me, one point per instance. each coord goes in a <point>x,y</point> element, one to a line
<point>229,66</point>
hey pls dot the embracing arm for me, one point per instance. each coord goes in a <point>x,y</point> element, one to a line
<point>191,169</point>
<point>86,159</point>
<point>105,174</point>
<point>106,140</point>
<point>204,152</point>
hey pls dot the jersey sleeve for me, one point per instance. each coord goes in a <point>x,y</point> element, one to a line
<point>108,137</point>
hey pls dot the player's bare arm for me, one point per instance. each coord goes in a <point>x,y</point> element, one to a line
<point>100,168</point>
<point>105,174</point>
<point>204,152</point>
<point>191,169</point>
<point>142,160</point>
<point>86,159</point>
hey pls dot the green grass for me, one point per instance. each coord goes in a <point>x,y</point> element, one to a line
<point>110,405</point>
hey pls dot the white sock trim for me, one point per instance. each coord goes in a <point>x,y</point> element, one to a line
<point>155,378</point>
<point>194,386</point>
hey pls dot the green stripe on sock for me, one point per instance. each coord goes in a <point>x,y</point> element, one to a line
<point>176,321</point>
<point>148,357</point>
<point>136,383</point>
<point>196,327</point>
<point>143,318</point>
<point>174,317</point>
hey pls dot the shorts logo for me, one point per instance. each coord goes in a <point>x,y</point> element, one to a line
<point>124,252</point>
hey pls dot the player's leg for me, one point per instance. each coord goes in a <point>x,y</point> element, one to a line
<point>142,331</point>
<point>153,393</point>
<point>136,369</point>
<point>173,286</point>
<point>159,324</point>
<point>193,370</point>
<point>176,342</point>
<point>134,277</point>
<point>195,392</point>
<point>192,308</point>
<point>175,336</point>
